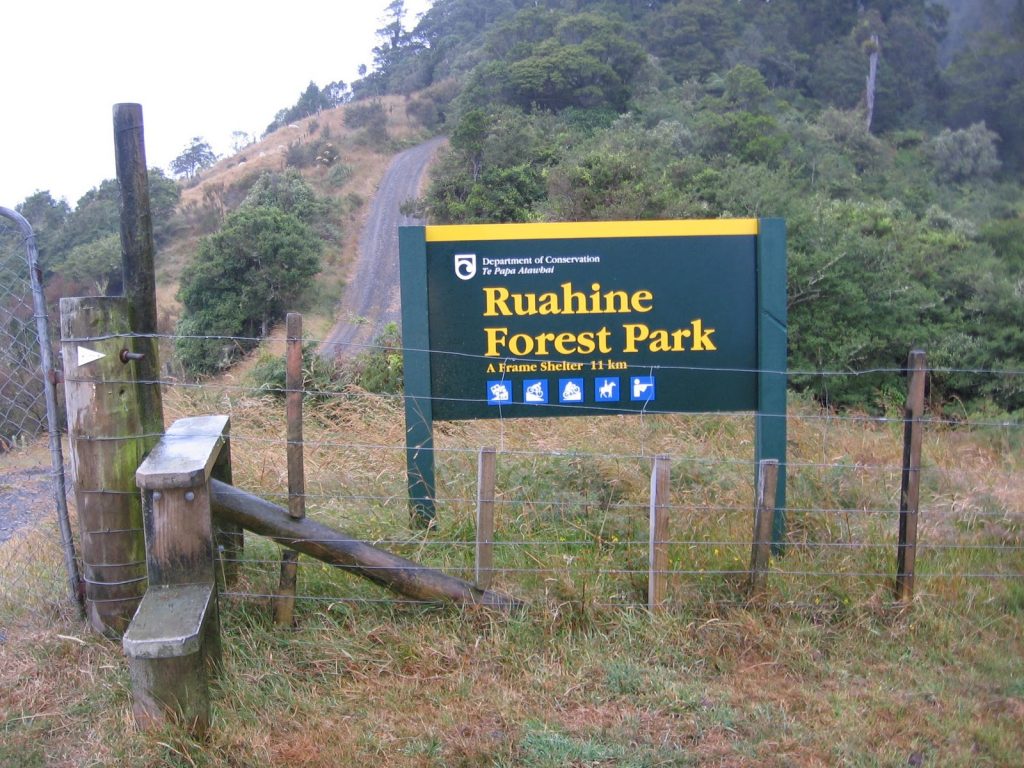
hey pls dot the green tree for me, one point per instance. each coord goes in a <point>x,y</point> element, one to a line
<point>291,193</point>
<point>986,81</point>
<point>96,263</point>
<point>164,195</point>
<point>553,61</point>
<point>242,279</point>
<point>311,102</point>
<point>82,244</point>
<point>194,158</point>
<point>494,171</point>
<point>47,217</point>
<point>690,38</point>
<point>966,154</point>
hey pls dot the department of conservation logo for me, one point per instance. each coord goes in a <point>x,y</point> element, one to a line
<point>465,266</point>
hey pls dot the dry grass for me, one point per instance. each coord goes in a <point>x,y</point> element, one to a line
<point>828,672</point>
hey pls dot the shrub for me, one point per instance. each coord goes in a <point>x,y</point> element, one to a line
<point>965,154</point>
<point>243,278</point>
<point>319,375</point>
<point>379,369</point>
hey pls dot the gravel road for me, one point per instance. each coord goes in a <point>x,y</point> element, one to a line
<point>25,496</point>
<point>371,299</point>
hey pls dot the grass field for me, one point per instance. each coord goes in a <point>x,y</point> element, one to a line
<point>827,671</point>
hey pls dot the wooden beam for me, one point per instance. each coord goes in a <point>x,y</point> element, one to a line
<point>228,538</point>
<point>137,250</point>
<point>137,259</point>
<point>339,549</point>
<point>284,600</point>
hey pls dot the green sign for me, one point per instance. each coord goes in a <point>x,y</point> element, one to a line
<point>529,320</point>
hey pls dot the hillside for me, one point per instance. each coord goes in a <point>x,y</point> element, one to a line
<point>885,134</point>
<point>908,232</point>
<point>897,169</point>
<point>350,182</point>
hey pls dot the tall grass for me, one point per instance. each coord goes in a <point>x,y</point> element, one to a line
<point>828,671</point>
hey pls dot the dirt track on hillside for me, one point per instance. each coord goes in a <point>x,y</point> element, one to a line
<point>371,299</point>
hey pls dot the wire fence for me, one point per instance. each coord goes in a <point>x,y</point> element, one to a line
<point>22,400</point>
<point>35,529</point>
<point>572,502</point>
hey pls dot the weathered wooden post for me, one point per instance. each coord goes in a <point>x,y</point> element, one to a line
<point>764,520</point>
<point>284,601</point>
<point>113,400</point>
<point>137,257</point>
<point>107,441</point>
<point>174,639</point>
<point>658,555</point>
<point>910,481</point>
<point>485,518</point>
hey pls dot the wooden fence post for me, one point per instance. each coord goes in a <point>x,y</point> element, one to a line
<point>108,440</point>
<point>485,518</point>
<point>910,482</point>
<point>138,254</point>
<point>658,550</point>
<point>137,259</point>
<point>764,518</point>
<point>284,601</point>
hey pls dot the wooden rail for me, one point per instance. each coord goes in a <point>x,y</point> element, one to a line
<point>337,548</point>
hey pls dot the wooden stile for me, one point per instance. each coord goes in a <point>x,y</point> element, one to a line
<point>910,482</point>
<point>659,514</point>
<point>173,642</point>
<point>485,480</point>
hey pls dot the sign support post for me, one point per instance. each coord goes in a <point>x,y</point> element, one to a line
<point>419,414</point>
<point>770,425</point>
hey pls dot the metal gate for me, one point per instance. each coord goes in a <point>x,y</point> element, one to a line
<point>33,500</point>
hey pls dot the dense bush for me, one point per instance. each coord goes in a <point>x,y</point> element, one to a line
<point>870,276</point>
<point>320,376</point>
<point>377,369</point>
<point>243,278</point>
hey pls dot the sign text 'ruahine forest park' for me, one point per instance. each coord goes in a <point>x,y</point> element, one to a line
<point>582,319</point>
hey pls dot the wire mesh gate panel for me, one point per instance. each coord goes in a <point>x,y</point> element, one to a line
<point>22,399</point>
<point>31,575</point>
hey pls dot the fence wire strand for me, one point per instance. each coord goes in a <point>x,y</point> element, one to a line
<point>581,527</point>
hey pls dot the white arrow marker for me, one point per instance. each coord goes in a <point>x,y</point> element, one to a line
<point>86,356</point>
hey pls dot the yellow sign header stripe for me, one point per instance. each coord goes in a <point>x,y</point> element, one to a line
<point>595,229</point>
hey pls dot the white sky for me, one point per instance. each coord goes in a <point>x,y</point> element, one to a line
<point>198,68</point>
